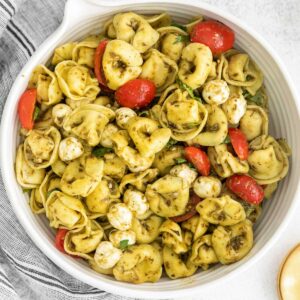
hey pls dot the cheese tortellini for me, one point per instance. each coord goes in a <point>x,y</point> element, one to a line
<point>137,178</point>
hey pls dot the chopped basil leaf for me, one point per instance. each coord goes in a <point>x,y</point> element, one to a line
<point>226,140</point>
<point>143,113</point>
<point>171,143</point>
<point>36,113</point>
<point>124,244</point>
<point>192,166</point>
<point>181,39</point>
<point>258,98</point>
<point>100,151</point>
<point>179,26</point>
<point>187,88</point>
<point>180,160</point>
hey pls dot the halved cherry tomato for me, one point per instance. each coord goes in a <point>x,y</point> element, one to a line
<point>98,66</point>
<point>191,209</point>
<point>26,108</point>
<point>136,93</point>
<point>246,188</point>
<point>239,143</point>
<point>199,159</point>
<point>60,239</point>
<point>217,36</point>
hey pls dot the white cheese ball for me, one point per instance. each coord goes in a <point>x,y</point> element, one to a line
<point>120,216</point>
<point>123,115</point>
<point>234,108</point>
<point>108,131</point>
<point>185,172</point>
<point>136,202</point>
<point>207,186</point>
<point>106,255</point>
<point>216,92</point>
<point>59,113</point>
<point>70,148</point>
<point>116,236</point>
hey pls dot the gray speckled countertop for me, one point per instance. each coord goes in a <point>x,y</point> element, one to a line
<point>278,21</point>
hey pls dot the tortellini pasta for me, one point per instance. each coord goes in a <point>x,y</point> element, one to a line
<point>86,240</point>
<point>232,243</point>
<point>224,163</point>
<point>160,69</point>
<point>215,130</point>
<point>82,176</point>
<point>134,29</point>
<point>65,211</point>
<point>254,122</point>
<point>46,84</point>
<point>41,147</point>
<point>141,263</point>
<point>268,161</point>
<point>147,230</point>
<point>173,237</point>
<point>175,266</point>
<point>130,185</point>
<point>76,81</point>
<point>224,211</point>
<point>203,253</point>
<point>147,136</point>
<point>88,122</point>
<point>195,65</point>
<point>185,117</point>
<point>121,63</point>
<point>105,193</point>
<point>27,177</point>
<point>168,196</point>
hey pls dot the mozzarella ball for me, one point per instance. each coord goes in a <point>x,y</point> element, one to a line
<point>136,202</point>
<point>185,172</point>
<point>116,236</point>
<point>234,108</point>
<point>123,115</point>
<point>106,255</point>
<point>108,131</point>
<point>59,113</point>
<point>207,186</point>
<point>216,92</point>
<point>70,148</point>
<point>119,216</point>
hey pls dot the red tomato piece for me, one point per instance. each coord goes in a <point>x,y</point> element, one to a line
<point>26,108</point>
<point>239,143</point>
<point>136,93</point>
<point>60,238</point>
<point>191,209</point>
<point>98,70</point>
<point>217,36</point>
<point>246,188</point>
<point>199,159</point>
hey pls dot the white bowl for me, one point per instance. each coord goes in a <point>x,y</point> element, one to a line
<point>83,17</point>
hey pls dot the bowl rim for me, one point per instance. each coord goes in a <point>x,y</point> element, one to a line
<point>8,170</point>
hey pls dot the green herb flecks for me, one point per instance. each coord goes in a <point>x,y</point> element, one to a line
<point>182,39</point>
<point>187,88</point>
<point>26,191</point>
<point>180,160</point>
<point>100,151</point>
<point>182,27</point>
<point>258,98</point>
<point>36,113</point>
<point>171,143</point>
<point>143,113</point>
<point>124,244</point>
<point>227,140</point>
